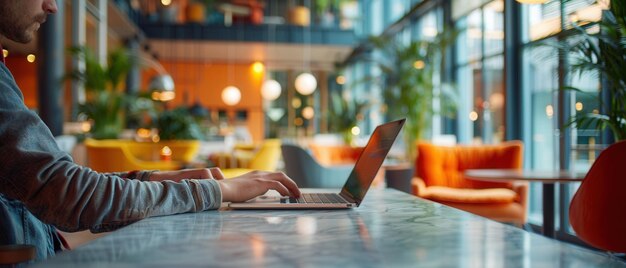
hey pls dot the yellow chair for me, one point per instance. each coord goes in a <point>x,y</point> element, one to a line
<point>183,151</point>
<point>266,159</point>
<point>116,156</point>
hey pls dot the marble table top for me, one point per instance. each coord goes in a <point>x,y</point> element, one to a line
<point>390,229</point>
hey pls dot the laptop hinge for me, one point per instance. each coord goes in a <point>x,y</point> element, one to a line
<point>347,197</point>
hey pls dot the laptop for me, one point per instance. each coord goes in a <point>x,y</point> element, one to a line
<point>354,189</point>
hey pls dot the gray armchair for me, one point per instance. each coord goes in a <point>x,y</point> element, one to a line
<point>308,173</point>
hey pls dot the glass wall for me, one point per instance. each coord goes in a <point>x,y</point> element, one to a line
<point>479,72</point>
<point>542,30</point>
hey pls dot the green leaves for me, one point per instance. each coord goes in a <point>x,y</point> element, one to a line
<point>410,82</point>
<point>344,113</point>
<point>106,101</point>
<point>178,124</point>
<point>604,52</point>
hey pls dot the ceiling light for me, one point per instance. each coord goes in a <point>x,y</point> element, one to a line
<point>306,84</point>
<point>231,95</point>
<point>258,67</point>
<point>271,90</point>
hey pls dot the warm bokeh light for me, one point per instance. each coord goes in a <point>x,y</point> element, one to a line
<point>5,53</point>
<point>496,101</point>
<point>163,96</point>
<point>166,2</point>
<point>306,84</point>
<point>298,121</point>
<point>258,67</point>
<point>595,111</point>
<point>308,112</point>
<point>143,133</point>
<point>270,90</point>
<point>31,58</point>
<point>296,103</point>
<point>166,153</point>
<point>473,115</point>
<point>579,106</point>
<point>419,64</point>
<point>341,80</point>
<point>231,95</point>
<point>85,127</point>
<point>355,131</point>
<point>156,138</point>
<point>549,111</point>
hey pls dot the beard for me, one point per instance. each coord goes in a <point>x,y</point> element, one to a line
<point>19,29</point>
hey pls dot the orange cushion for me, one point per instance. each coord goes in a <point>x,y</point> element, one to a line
<point>473,196</point>
<point>445,166</point>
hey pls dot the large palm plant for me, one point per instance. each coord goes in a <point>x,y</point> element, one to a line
<point>409,82</point>
<point>604,52</point>
<point>105,98</point>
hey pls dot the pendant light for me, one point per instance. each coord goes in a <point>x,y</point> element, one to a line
<point>231,95</point>
<point>306,83</point>
<point>271,90</point>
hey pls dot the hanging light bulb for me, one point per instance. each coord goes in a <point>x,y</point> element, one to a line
<point>306,84</point>
<point>231,95</point>
<point>271,90</point>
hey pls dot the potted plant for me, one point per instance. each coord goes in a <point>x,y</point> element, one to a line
<point>105,97</point>
<point>177,124</point>
<point>604,52</point>
<point>344,114</point>
<point>410,84</point>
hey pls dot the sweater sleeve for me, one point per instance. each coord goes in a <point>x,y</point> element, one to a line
<point>71,197</point>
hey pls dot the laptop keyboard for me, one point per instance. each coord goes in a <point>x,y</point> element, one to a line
<point>318,199</point>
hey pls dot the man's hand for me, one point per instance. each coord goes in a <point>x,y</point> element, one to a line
<point>253,184</point>
<point>178,175</point>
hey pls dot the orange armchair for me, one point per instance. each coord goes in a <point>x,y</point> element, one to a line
<point>440,178</point>
<point>597,211</point>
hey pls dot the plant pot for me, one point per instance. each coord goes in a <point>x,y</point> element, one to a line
<point>399,177</point>
<point>196,12</point>
<point>300,15</point>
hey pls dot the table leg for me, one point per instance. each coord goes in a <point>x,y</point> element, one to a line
<point>548,210</point>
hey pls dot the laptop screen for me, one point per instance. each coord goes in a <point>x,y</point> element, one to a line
<point>371,159</point>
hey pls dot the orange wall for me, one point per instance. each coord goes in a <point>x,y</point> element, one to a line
<point>25,74</point>
<point>204,82</point>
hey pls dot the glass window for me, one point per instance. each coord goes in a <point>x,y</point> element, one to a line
<point>541,83</point>
<point>493,104</point>
<point>376,9</point>
<point>541,20</point>
<point>469,41</point>
<point>480,78</point>
<point>494,27</point>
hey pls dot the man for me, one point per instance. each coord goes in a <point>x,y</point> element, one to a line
<point>42,189</point>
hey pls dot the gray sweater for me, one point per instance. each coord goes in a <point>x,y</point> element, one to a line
<point>41,188</point>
